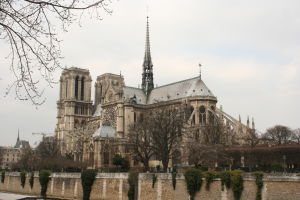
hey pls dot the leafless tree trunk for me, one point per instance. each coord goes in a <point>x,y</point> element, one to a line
<point>141,140</point>
<point>167,125</point>
<point>28,27</point>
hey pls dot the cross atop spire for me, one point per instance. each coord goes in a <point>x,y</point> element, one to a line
<point>147,80</point>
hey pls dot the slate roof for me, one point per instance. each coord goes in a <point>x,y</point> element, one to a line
<point>182,89</point>
<point>22,144</point>
<point>106,131</point>
<point>98,110</point>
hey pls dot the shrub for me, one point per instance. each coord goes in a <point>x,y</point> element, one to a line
<point>132,181</point>
<point>237,184</point>
<point>193,179</point>
<point>174,174</point>
<point>87,179</point>
<point>154,179</point>
<point>2,176</point>
<point>209,178</point>
<point>225,179</point>
<point>31,180</point>
<point>259,183</point>
<point>23,178</point>
<point>121,162</point>
<point>44,177</point>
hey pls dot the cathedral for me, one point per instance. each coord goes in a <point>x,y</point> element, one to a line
<point>95,131</point>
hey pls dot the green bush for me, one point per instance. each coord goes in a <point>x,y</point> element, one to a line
<point>132,181</point>
<point>23,179</point>
<point>2,176</point>
<point>44,177</point>
<point>31,180</point>
<point>154,179</point>
<point>209,178</point>
<point>259,183</point>
<point>237,184</point>
<point>87,179</point>
<point>121,162</point>
<point>174,174</point>
<point>193,179</point>
<point>225,179</point>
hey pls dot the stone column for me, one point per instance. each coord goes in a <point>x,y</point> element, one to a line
<point>120,120</point>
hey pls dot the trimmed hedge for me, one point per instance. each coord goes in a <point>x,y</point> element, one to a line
<point>2,176</point>
<point>132,181</point>
<point>237,184</point>
<point>193,179</point>
<point>23,179</point>
<point>44,177</point>
<point>31,180</point>
<point>259,183</point>
<point>87,180</point>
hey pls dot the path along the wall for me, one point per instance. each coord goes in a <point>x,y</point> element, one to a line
<point>114,186</point>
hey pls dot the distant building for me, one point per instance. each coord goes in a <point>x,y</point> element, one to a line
<point>11,155</point>
<point>117,106</point>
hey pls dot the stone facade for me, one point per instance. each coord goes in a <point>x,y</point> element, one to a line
<point>115,187</point>
<point>106,121</point>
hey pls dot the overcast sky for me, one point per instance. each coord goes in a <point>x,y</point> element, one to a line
<point>250,52</point>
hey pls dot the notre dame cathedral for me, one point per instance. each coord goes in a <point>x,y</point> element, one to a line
<point>95,131</point>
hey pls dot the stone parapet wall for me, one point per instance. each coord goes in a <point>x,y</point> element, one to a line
<point>114,186</point>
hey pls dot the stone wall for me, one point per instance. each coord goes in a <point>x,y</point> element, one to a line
<point>114,186</point>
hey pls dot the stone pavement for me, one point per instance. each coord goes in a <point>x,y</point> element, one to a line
<point>10,196</point>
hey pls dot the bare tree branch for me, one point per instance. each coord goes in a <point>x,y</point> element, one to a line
<point>28,27</point>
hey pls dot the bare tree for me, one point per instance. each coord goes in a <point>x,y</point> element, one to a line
<point>28,160</point>
<point>48,148</point>
<point>252,138</point>
<point>206,145</point>
<point>28,27</point>
<point>278,135</point>
<point>167,124</point>
<point>296,135</point>
<point>78,137</point>
<point>141,140</point>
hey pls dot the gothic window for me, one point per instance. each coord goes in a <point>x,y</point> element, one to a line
<point>141,117</point>
<point>82,89</point>
<point>106,158</point>
<point>193,120</point>
<point>134,117</point>
<point>66,88</point>
<point>202,116</point>
<point>76,87</point>
<point>211,117</point>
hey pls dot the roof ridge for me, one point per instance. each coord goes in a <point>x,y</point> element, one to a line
<point>178,82</point>
<point>132,87</point>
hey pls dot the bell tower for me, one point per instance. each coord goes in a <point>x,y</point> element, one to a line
<point>74,106</point>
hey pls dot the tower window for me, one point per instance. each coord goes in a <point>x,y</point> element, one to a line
<point>76,87</point>
<point>82,89</point>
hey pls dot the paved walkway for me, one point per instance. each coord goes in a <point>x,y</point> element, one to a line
<point>10,196</point>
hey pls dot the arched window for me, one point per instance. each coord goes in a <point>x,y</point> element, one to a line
<point>82,89</point>
<point>76,87</point>
<point>66,88</point>
<point>202,116</point>
<point>106,158</point>
<point>134,117</point>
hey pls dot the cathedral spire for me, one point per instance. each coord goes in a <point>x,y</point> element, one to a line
<point>18,139</point>
<point>147,80</point>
